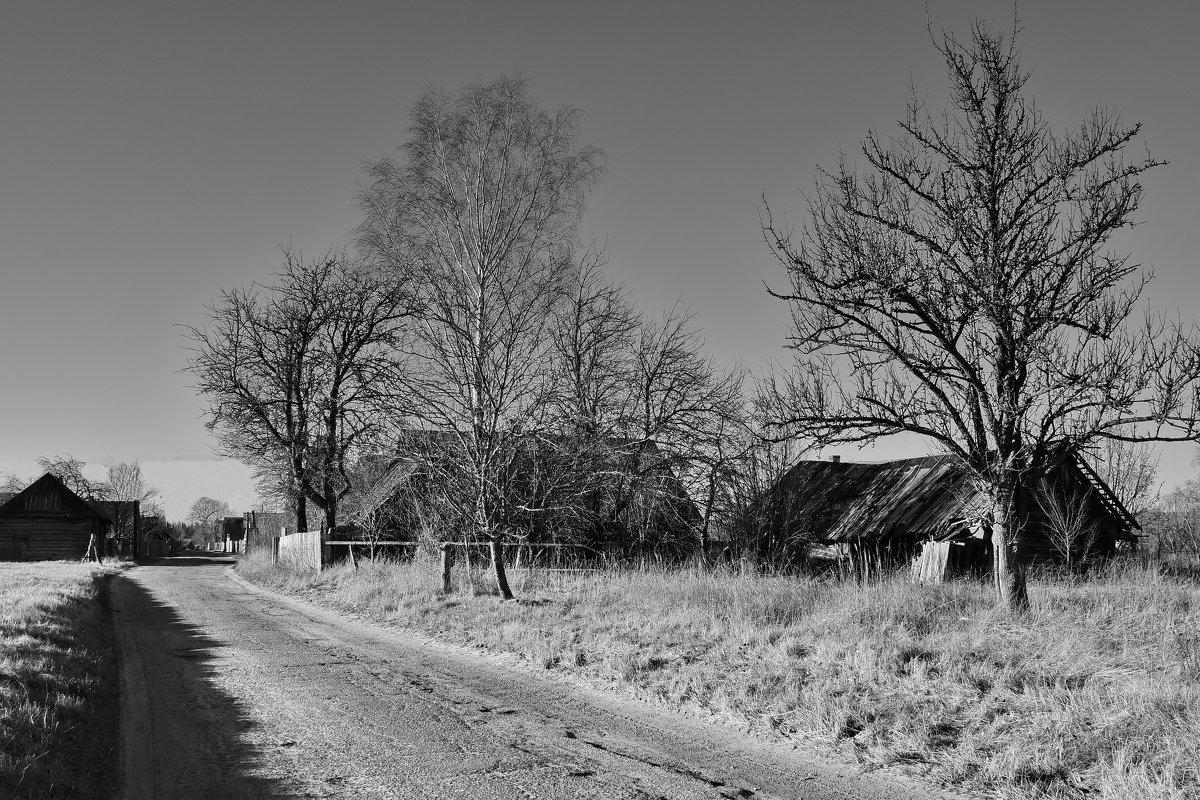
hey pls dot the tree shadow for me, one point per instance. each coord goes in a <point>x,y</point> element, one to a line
<point>198,558</point>
<point>204,740</point>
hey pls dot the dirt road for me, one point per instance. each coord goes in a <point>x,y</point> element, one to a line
<point>231,692</point>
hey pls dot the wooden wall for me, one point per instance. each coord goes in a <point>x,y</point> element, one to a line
<point>47,521</point>
<point>44,537</point>
<point>301,551</point>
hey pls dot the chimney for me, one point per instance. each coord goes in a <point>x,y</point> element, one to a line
<point>836,459</point>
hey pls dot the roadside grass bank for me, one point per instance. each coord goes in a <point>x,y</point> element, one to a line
<point>1096,693</point>
<point>59,729</point>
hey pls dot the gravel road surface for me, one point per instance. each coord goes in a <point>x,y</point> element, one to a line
<point>233,692</point>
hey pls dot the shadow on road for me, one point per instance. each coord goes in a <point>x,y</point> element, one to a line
<point>197,558</point>
<point>200,740</point>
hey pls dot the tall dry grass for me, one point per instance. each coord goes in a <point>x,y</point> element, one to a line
<point>1096,693</point>
<point>58,682</point>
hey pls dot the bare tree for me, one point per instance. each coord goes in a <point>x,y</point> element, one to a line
<point>592,338</point>
<point>206,514</point>
<point>69,470</point>
<point>298,374</point>
<point>593,335</point>
<point>760,511</point>
<point>962,288</point>
<point>1130,468</point>
<point>1176,524</point>
<point>127,484</point>
<point>686,408</point>
<point>1070,523</point>
<point>643,411</point>
<point>12,484</point>
<point>481,208</point>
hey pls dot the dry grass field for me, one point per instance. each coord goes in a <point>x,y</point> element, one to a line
<point>1096,693</point>
<point>58,682</point>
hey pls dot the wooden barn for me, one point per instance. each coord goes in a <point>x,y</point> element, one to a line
<point>48,521</point>
<point>928,513</point>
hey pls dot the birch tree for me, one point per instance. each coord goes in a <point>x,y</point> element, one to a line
<point>480,207</point>
<point>963,287</point>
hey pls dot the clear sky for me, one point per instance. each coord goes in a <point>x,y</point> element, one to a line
<point>153,154</point>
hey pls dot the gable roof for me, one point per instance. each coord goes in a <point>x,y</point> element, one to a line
<point>416,446</point>
<point>51,481</point>
<point>840,501</point>
<point>929,497</point>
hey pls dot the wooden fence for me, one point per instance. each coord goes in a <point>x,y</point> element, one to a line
<point>300,550</point>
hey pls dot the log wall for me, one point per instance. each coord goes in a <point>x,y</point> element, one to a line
<point>43,538</point>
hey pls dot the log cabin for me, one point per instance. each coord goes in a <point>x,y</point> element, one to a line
<point>48,521</point>
<point>927,514</point>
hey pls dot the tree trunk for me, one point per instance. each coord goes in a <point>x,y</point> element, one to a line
<point>301,514</point>
<point>498,567</point>
<point>708,507</point>
<point>447,565</point>
<point>1008,573</point>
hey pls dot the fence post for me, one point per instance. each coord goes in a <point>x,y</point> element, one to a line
<point>283,531</point>
<point>447,562</point>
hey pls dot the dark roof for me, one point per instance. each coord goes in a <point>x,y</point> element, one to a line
<point>111,509</point>
<point>929,497</point>
<point>839,500</point>
<point>388,483</point>
<point>416,445</point>
<point>15,501</point>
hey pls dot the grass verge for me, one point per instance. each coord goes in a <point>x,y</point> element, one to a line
<point>1096,693</point>
<point>59,690</point>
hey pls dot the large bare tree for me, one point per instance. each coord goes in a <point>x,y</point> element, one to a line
<point>962,287</point>
<point>686,409</point>
<point>642,406</point>
<point>299,374</point>
<point>480,208</point>
<point>593,333</point>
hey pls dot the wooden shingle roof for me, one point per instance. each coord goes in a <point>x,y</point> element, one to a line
<point>930,497</point>
<point>841,501</point>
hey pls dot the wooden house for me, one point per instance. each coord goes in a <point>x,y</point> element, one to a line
<point>48,521</point>
<point>929,513</point>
